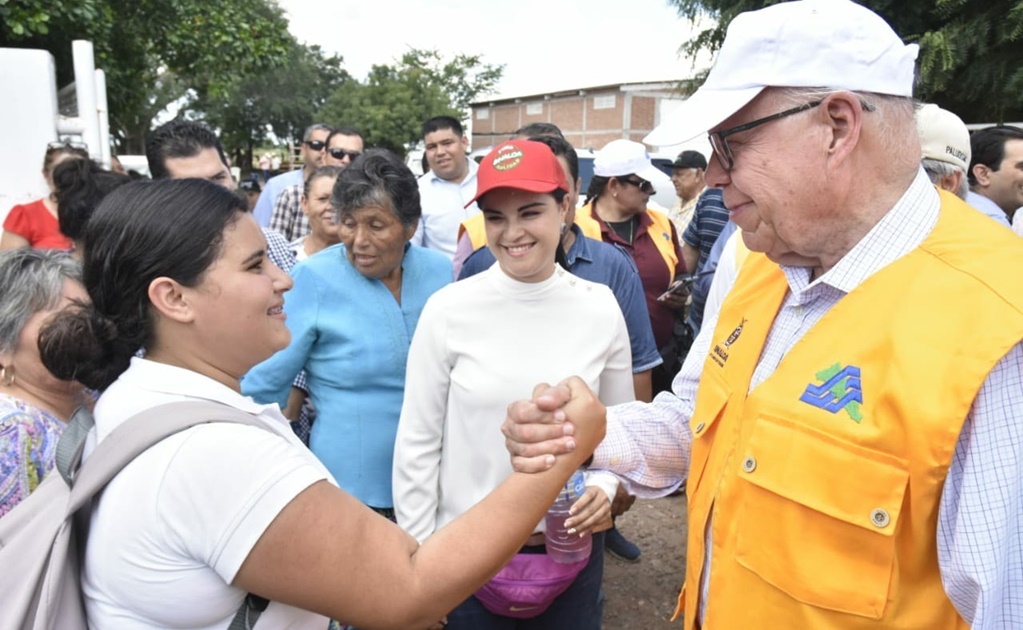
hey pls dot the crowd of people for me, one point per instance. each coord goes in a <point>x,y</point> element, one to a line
<point>821,343</point>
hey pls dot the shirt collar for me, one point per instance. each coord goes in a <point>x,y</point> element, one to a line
<point>580,249</point>
<point>169,379</point>
<point>899,231</point>
<point>470,175</point>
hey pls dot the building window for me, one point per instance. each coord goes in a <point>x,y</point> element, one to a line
<point>482,114</point>
<point>534,109</point>
<point>604,102</point>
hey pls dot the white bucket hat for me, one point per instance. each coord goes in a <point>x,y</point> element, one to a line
<point>625,157</point>
<point>808,43</point>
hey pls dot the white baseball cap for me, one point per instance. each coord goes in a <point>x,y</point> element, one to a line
<point>625,157</point>
<point>834,44</point>
<point>943,136</point>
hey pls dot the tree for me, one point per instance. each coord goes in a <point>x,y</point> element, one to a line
<point>150,48</point>
<point>284,100</point>
<point>971,57</point>
<point>390,105</point>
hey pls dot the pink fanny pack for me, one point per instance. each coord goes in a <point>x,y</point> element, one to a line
<point>527,585</point>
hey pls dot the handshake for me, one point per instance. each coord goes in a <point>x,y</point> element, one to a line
<point>559,420</point>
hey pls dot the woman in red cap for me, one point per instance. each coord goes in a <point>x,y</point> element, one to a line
<point>488,339</point>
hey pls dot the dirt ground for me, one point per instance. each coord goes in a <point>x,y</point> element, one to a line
<point>642,595</point>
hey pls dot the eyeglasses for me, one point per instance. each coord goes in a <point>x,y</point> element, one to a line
<point>339,154</point>
<point>643,185</point>
<point>315,145</point>
<point>720,145</point>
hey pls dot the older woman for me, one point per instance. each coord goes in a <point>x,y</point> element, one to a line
<point>193,523</point>
<point>34,405</point>
<point>616,212</point>
<point>488,338</point>
<point>351,315</point>
<point>35,224</point>
<point>315,202</point>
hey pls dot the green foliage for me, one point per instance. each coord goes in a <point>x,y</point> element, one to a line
<point>284,100</point>
<point>148,47</point>
<point>971,53</point>
<point>390,106</point>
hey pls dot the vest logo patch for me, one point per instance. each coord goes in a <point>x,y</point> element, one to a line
<point>840,390</point>
<point>720,353</point>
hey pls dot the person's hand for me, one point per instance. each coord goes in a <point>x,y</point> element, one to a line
<point>589,511</point>
<point>674,301</point>
<point>622,501</point>
<point>558,420</point>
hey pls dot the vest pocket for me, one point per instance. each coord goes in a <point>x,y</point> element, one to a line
<point>817,516</point>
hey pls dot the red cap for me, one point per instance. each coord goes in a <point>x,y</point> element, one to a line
<point>521,164</point>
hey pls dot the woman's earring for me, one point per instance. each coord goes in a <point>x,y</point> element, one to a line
<point>562,227</point>
<point>614,194</point>
<point>6,377</point>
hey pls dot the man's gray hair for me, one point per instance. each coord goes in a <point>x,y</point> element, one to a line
<point>895,115</point>
<point>31,280</point>
<point>936,170</point>
<point>315,127</point>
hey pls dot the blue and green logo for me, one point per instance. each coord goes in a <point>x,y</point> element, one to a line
<point>839,390</point>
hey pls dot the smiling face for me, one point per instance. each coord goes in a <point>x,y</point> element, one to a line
<point>317,207</point>
<point>446,154</point>
<point>772,191</point>
<point>1004,186</point>
<point>523,231</point>
<point>375,241</point>
<point>238,306</point>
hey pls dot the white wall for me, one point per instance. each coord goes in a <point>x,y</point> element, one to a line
<point>28,114</point>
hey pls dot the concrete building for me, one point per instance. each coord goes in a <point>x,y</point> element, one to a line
<point>589,117</point>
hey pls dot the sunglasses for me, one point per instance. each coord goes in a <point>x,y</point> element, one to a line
<point>340,154</point>
<point>64,145</point>
<point>315,145</point>
<point>643,185</point>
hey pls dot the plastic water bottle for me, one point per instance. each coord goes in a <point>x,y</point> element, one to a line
<point>562,546</point>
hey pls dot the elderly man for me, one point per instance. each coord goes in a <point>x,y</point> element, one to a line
<point>687,176</point>
<point>851,435</point>
<point>945,144</point>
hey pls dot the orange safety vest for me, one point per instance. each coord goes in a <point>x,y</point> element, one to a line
<point>824,481</point>
<point>475,227</point>
<point>660,232</point>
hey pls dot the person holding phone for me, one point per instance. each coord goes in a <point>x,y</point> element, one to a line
<point>616,211</point>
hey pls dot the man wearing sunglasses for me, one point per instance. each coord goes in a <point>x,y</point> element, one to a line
<point>313,142</point>
<point>849,423</point>
<point>339,148</point>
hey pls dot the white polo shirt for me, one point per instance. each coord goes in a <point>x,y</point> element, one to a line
<point>444,210</point>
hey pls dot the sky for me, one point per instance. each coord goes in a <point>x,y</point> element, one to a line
<point>545,45</point>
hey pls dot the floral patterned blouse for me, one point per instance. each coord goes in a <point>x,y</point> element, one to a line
<point>28,447</point>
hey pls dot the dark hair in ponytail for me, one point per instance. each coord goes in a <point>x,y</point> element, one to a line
<point>140,232</point>
<point>80,186</point>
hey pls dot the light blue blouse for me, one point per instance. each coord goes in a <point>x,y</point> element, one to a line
<point>352,338</point>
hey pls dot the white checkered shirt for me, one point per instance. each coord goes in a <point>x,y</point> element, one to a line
<point>288,219</point>
<point>980,520</point>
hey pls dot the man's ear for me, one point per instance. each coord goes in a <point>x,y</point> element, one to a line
<point>170,300</point>
<point>844,114</point>
<point>982,174</point>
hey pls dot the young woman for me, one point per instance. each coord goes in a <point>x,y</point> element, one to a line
<point>488,338</point>
<point>177,267</point>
